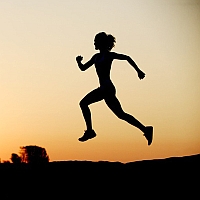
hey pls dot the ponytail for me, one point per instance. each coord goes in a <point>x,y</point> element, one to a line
<point>111,41</point>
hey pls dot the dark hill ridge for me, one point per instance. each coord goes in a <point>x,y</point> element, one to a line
<point>177,176</point>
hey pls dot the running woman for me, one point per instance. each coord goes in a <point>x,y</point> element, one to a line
<point>106,91</point>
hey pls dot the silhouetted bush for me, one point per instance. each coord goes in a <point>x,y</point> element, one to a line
<point>6,161</point>
<point>15,158</point>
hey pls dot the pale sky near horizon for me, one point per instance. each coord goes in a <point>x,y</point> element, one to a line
<point>41,85</point>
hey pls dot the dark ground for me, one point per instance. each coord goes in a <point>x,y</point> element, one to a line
<point>172,178</point>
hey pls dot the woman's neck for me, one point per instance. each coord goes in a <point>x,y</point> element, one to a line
<point>103,50</point>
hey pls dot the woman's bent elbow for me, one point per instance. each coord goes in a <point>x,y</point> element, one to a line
<point>82,68</point>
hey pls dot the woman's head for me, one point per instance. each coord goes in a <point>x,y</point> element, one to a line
<point>103,41</point>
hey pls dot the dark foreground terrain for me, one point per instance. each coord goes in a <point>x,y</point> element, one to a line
<point>172,178</point>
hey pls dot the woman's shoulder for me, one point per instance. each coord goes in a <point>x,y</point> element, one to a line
<point>112,54</point>
<point>95,55</point>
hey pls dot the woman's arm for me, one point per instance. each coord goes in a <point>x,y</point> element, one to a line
<point>117,56</point>
<point>85,66</point>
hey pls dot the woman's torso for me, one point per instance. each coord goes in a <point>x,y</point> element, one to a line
<point>103,62</point>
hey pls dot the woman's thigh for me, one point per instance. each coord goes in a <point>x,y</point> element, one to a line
<point>114,104</point>
<point>92,97</point>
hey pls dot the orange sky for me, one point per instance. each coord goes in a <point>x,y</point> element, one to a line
<point>41,84</point>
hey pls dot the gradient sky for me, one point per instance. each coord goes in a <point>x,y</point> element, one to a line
<point>41,85</point>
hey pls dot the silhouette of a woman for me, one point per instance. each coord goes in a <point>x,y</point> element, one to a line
<point>103,61</point>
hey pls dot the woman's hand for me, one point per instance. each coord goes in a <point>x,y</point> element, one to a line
<point>79,58</point>
<point>141,74</point>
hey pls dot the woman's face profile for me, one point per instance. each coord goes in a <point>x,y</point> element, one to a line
<point>96,44</point>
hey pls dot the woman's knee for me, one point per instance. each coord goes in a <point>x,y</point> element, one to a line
<point>121,115</point>
<point>83,103</point>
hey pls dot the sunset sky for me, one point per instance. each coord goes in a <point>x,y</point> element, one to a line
<point>41,85</point>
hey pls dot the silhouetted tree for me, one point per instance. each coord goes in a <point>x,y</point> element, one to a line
<point>15,158</point>
<point>33,155</point>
